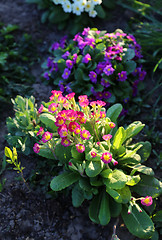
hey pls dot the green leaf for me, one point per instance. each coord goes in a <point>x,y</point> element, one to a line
<point>115,207</point>
<point>78,75</point>
<point>114,194</point>
<point>94,209</point>
<point>114,111</point>
<point>105,173</point>
<point>47,153</point>
<point>138,223</point>
<point>101,47</point>
<point>125,194</point>
<point>155,235</point>
<point>76,155</point>
<point>63,153</point>
<point>133,180</point>
<point>64,180</point>
<point>77,196</point>
<point>93,168</point>
<point>8,153</point>
<point>133,129</point>
<point>49,121</point>
<point>145,151</point>
<point>116,180</point>
<point>131,153</point>
<point>119,138</point>
<point>100,11</point>
<point>129,54</point>
<point>44,17</point>
<point>109,3</point>
<point>104,212</point>
<point>3,58</point>
<point>148,186</point>
<point>157,217</point>
<point>130,66</point>
<point>141,168</point>
<point>85,185</point>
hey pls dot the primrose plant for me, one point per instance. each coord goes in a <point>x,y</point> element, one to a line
<point>105,66</point>
<point>100,163</point>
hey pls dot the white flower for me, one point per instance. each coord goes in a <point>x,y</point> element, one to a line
<point>89,6</point>
<point>67,6</point>
<point>57,2</point>
<point>77,8</point>
<point>92,13</point>
<point>96,2</point>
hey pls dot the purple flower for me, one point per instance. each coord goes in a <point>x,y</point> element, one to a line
<point>105,82</point>
<point>49,62</point>
<point>90,42</point>
<point>65,55</point>
<point>66,73</point>
<point>46,75</point>
<point>61,86</point>
<point>86,58</point>
<point>76,37</point>
<point>106,94</point>
<point>100,67</point>
<point>55,46</point>
<point>75,56</point>
<point>63,41</point>
<point>142,75</point>
<point>69,63</point>
<point>99,95</point>
<point>93,76</point>
<point>55,67</point>
<point>108,70</point>
<point>122,76</point>
<point>85,31</point>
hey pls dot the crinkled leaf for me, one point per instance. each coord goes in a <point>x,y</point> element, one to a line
<point>63,153</point>
<point>47,153</point>
<point>116,180</point>
<point>125,194</point>
<point>133,180</point>
<point>114,194</point>
<point>119,138</point>
<point>128,54</point>
<point>141,168</point>
<point>133,129</point>
<point>93,168</point>
<point>49,121</point>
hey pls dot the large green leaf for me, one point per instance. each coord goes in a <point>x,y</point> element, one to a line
<point>63,153</point>
<point>148,186</point>
<point>129,54</point>
<point>49,121</point>
<point>130,66</point>
<point>114,111</point>
<point>64,180</point>
<point>115,207</point>
<point>100,11</point>
<point>84,184</point>
<point>104,212</point>
<point>125,194</point>
<point>119,138</point>
<point>133,129</point>
<point>77,196</point>
<point>114,194</point>
<point>47,153</point>
<point>145,151</point>
<point>138,223</point>
<point>94,209</point>
<point>116,180</point>
<point>93,168</point>
<point>133,180</point>
<point>141,168</point>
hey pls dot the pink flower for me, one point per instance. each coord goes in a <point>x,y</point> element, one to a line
<point>106,157</point>
<point>70,96</point>
<point>112,125</point>
<point>40,110</point>
<point>46,137</point>
<point>85,134</point>
<point>147,201</point>
<point>73,126</point>
<point>36,148</point>
<point>77,131</point>
<point>82,120</point>
<point>70,164</point>
<point>60,121</point>
<point>41,131</point>
<point>53,107</point>
<point>93,154</point>
<point>80,148</point>
<point>65,142</point>
<point>84,104</point>
<point>100,103</point>
<point>56,93</point>
<point>63,131</point>
<point>107,137</point>
<point>102,114</point>
<point>93,103</point>
<point>71,115</point>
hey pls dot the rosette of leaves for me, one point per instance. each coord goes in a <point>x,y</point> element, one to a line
<point>66,19</point>
<point>110,188</point>
<point>14,67</point>
<point>21,127</point>
<point>105,66</point>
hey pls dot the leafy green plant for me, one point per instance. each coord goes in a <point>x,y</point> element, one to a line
<point>14,67</point>
<point>105,66</point>
<point>21,127</point>
<point>74,15</point>
<point>100,163</point>
<point>157,219</point>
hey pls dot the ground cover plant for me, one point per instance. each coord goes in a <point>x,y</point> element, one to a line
<point>99,161</point>
<point>74,14</point>
<point>14,62</point>
<point>105,66</point>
